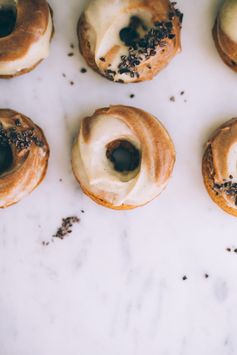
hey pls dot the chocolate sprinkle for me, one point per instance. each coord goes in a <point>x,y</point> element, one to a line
<point>18,122</point>
<point>45,244</point>
<point>83,70</point>
<point>143,48</point>
<point>70,54</point>
<point>66,227</point>
<point>184,278</point>
<point>228,187</point>
<point>21,139</point>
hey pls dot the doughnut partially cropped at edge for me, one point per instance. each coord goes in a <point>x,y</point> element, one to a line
<point>219,167</point>
<point>26,29</point>
<point>129,40</point>
<point>24,154</point>
<point>225,33</point>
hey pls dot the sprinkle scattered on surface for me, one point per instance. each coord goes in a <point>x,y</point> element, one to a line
<point>66,227</point>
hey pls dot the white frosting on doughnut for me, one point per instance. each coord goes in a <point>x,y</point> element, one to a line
<point>228,19</point>
<point>37,52</point>
<point>97,174</point>
<point>101,26</point>
<point>107,18</point>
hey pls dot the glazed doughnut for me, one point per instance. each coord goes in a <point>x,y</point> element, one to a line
<point>24,154</point>
<point>129,40</point>
<point>26,29</point>
<point>225,33</point>
<point>123,157</point>
<point>219,167</point>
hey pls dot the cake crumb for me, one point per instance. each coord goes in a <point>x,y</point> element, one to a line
<point>45,244</point>
<point>172,98</point>
<point>66,227</point>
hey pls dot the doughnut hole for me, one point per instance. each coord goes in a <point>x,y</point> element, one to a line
<point>133,32</point>
<point>124,157</point>
<point>8,17</point>
<point>6,158</point>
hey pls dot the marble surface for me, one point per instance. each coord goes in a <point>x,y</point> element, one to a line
<point>115,286</point>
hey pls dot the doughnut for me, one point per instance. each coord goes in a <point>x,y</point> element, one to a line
<point>24,154</point>
<point>225,33</point>
<point>26,29</point>
<point>122,157</point>
<point>129,41</point>
<point>219,167</point>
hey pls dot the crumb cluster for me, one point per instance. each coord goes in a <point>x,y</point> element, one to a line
<point>66,227</point>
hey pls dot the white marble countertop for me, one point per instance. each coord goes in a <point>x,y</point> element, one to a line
<point>115,286</point>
